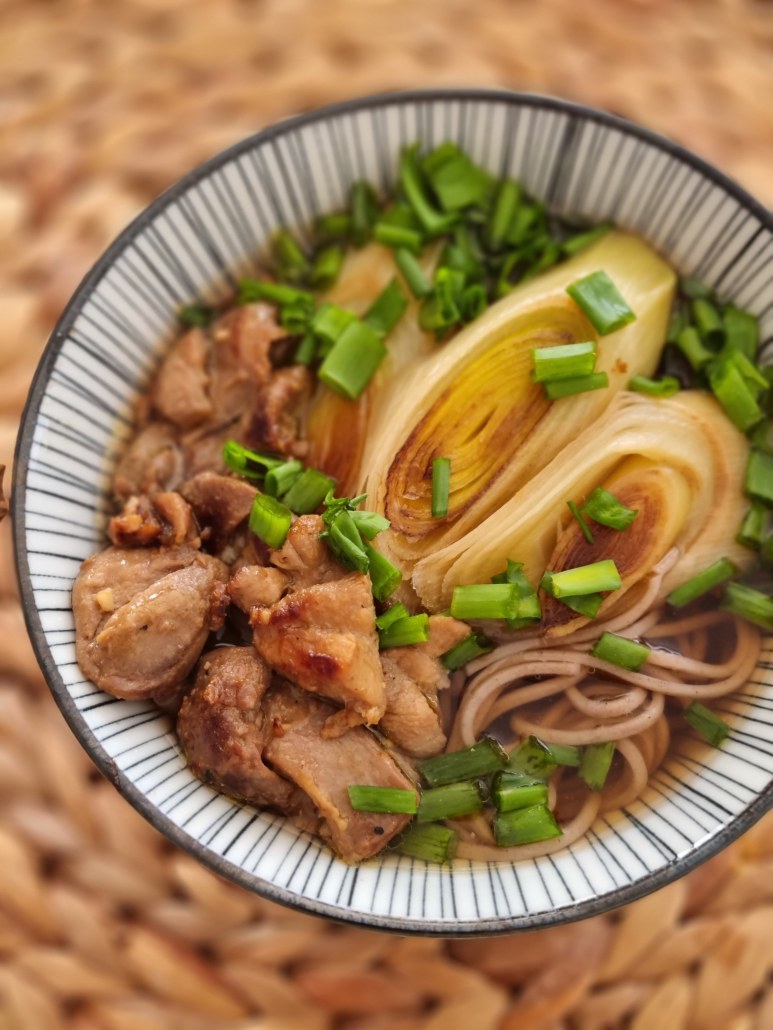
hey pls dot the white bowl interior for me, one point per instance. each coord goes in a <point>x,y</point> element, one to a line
<point>192,244</point>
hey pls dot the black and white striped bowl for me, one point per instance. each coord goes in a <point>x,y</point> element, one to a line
<point>193,243</point>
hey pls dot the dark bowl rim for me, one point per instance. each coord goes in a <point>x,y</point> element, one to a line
<point>557,916</point>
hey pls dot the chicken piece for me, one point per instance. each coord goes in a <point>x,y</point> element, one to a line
<point>240,363</point>
<point>166,519</point>
<point>142,617</point>
<point>153,461</point>
<point>324,639</point>
<point>256,585</point>
<point>274,425</point>
<point>223,729</point>
<point>413,676</point>
<point>180,392</point>
<point>304,557</point>
<point>325,768</point>
<point>220,503</point>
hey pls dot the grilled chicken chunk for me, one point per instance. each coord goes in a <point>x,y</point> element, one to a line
<point>221,504</point>
<point>304,556</point>
<point>181,391</point>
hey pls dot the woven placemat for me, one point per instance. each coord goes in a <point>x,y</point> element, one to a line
<point>103,925</point>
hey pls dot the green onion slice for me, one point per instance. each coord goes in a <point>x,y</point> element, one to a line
<point>555,389</point>
<point>247,463</point>
<point>736,388</point>
<point>602,302</point>
<point>484,757</point>
<point>525,826</point>
<point>708,322</point>
<point>758,481</point>
<point>486,601</point>
<point>455,180</point>
<point>391,235</point>
<point>473,646</point>
<point>344,540</point>
<point>387,309</point>
<point>412,182</point>
<point>628,654</point>
<point>385,577</point>
<point>604,508</point>
<point>403,632</point>
<point>565,361</point>
<point>326,267</point>
<point>364,207</point>
<point>512,790</point>
<point>251,290</point>
<point>706,723</point>
<point>430,843</point>
<point>595,764</point>
<point>507,200</point>
<point>270,520</point>
<point>411,271</point>
<point>742,331</point>
<point>691,345</point>
<point>291,263</point>
<point>308,491</point>
<point>449,802</point>
<point>755,525</point>
<point>665,387</point>
<point>719,572</point>
<point>597,577</point>
<point>383,799</point>
<point>750,604</point>
<point>535,758</point>
<point>441,486</point>
<point>584,527</point>
<point>370,523</point>
<point>394,614</point>
<point>353,360</point>
<point>280,478</point>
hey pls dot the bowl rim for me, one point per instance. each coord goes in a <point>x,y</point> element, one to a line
<point>222,866</point>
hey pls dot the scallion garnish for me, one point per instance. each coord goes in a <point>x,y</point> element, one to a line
<point>762,437</point>
<point>736,384</point>
<point>741,330</point>
<point>247,463</point>
<point>195,315</point>
<point>750,604</point>
<point>758,481</point>
<point>387,309</point>
<point>415,279</point>
<point>251,290</point>
<point>326,267</point>
<point>306,351</point>
<point>529,609</point>
<point>666,386</point>
<point>430,843</point>
<point>290,262</point>
<point>402,632</point>
<point>574,244</point>
<point>308,491</point>
<point>756,522</point>
<point>384,576</point>
<point>706,723</point>
<point>558,388</point>
<point>595,764</point>
<point>353,360</point>
<point>391,235</point>
<point>512,790</point>
<point>691,345</point>
<point>597,577</point>
<point>364,208</point>
<point>411,180</point>
<point>601,301</point>
<point>525,826</point>
<point>486,601</point>
<point>603,507</point>
<point>334,227</point>
<point>565,361</point>
<point>484,757</point>
<point>505,204</point>
<point>719,572</point>
<point>584,527</point>
<point>391,800</point>
<point>693,288</point>
<point>270,520</point>
<point>344,540</point>
<point>587,605</point>
<point>455,180</point>
<point>329,322</point>
<point>473,646</point>
<point>708,322</point>
<point>449,802</point>
<point>281,477</point>
<point>369,523</point>
<point>535,758</point>
<point>394,614</point>
<point>628,654</point>
<point>441,486</point>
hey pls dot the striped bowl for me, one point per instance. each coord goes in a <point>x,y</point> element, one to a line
<point>192,244</point>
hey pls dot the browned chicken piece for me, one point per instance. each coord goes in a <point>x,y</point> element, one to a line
<point>413,676</point>
<point>166,519</point>
<point>142,616</point>
<point>240,362</point>
<point>153,461</point>
<point>274,423</point>
<point>323,638</point>
<point>180,392</point>
<point>256,585</point>
<point>220,503</point>
<point>304,557</point>
<point>325,768</point>
<point>223,729</point>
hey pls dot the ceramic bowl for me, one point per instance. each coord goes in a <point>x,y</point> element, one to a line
<point>191,245</point>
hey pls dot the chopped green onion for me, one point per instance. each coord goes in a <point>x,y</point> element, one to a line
<point>387,309</point>
<point>734,391</point>
<point>486,601</point>
<point>330,321</point>
<point>693,288</point>
<point>581,240</point>
<point>364,205</point>
<point>449,802</point>
<point>280,478</point>
<point>456,181</point>
<point>411,181</point>
<point>385,577</point>
<point>595,764</point>
<point>527,222</point>
<point>667,386</point>
<point>587,605</point>
<point>391,235</point>
<point>394,614</point>
<point>415,279</point>
<point>334,227</point>
<point>558,388</point>
<point>441,487</point>
<point>473,302</point>
<point>690,344</point>
<point>306,351</point>
<point>270,520</point>
<point>370,523</point>
<point>699,585</point>
<point>595,578</point>
<point>566,361</point>
<point>708,322</point>
<point>308,491</point>
<point>535,758</point>
<point>750,604</point>
<point>251,290</point>
<point>462,258</point>
<point>326,267</point>
<point>706,723</point>
<point>758,482</point>
<point>604,508</point>
<point>353,360</point>
<point>742,331</point>
<point>195,315</point>
<point>484,757</point>
<point>290,261</point>
<point>344,540</point>
<point>762,437</point>
<point>528,603</point>
<point>507,200</point>
<point>511,791</point>
<point>383,799</point>
<point>754,525</point>
<point>414,629</point>
<point>628,654</point>
<point>296,317</point>
<point>601,301</point>
<point>471,647</point>
<point>430,843</point>
<point>566,754</point>
<point>584,527</point>
<point>525,826</point>
<point>247,463</point>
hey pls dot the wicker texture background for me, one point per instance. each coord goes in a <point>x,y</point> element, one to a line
<point>103,926</point>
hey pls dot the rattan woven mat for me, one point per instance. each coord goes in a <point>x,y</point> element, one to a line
<point>103,926</point>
